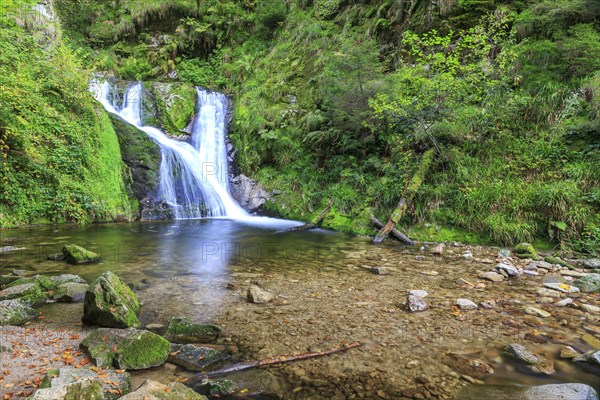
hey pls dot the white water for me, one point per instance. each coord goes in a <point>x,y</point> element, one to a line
<point>193,177</point>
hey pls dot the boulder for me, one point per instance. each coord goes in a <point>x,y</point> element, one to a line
<point>129,349</point>
<point>592,263</point>
<point>565,391</point>
<point>111,303</point>
<point>193,357</point>
<point>70,292</point>
<point>257,294</point>
<point>183,330</point>
<point>81,389</point>
<point>152,390</point>
<point>589,283</point>
<point>250,195</point>
<point>15,312</point>
<point>113,384</point>
<point>534,362</point>
<point>78,255</point>
<point>526,250</point>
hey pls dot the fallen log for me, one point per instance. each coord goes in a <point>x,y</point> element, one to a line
<point>395,232</point>
<point>411,189</point>
<point>275,360</point>
<point>312,225</point>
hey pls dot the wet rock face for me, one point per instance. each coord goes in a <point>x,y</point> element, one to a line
<point>109,302</point>
<point>250,195</point>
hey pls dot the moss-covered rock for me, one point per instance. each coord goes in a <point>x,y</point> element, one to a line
<point>67,278</point>
<point>7,279</point>
<point>170,106</point>
<point>526,250</point>
<point>78,255</point>
<point>110,385</point>
<point>183,330</point>
<point>129,349</point>
<point>81,389</point>
<point>29,293</point>
<point>15,312</point>
<point>558,261</point>
<point>70,292</point>
<point>156,390</point>
<point>589,283</point>
<point>193,357</point>
<point>111,303</point>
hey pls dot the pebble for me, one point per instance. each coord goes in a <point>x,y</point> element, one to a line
<point>590,308</point>
<point>430,273</point>
<point>544,300</point>
<point>419,293</point>
<point>537,312</point>
<point>531,273</point>
<point>547,292</point>
<point>492,276</point>
<point>467,255</point>
<point>489,304</point>
<point>466,304</point>
<point>412,364</point>
<point>415,303</point>
<point>568,352</point>
<point>509,269</point>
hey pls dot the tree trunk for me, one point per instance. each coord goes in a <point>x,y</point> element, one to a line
<point>395,232</point>
<point>409,194</point>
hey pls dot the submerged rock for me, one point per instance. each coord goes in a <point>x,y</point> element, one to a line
<point>111,303</point>
<point>78,255</point>
<point>193,357</point>
<point>152,390</point>
<point>565,391</point>
<point>183,330</point>
<point>465,365</point>
<point>589,283</point>
<point>492,276</point>
<point>537,312</point>
<point>526,250</point>
<point>70,292</point>
<point>129,349</point>
<point>15,312</point>
<point>465,304</point>
<point>535,362</point>
<point>257,294</point>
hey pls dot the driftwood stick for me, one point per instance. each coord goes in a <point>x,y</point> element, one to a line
<point>277,360</point>
<point>312,225</point>
<point>395,232</point>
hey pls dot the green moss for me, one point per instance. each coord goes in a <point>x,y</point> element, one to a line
<point>558,261</point>
<point>110,302</point>
<point>526,250</point>
<point>78,255</point>
<point>141,350</point>
<point>183,330</point>
<point>589,283</point>
<point>48,376</point>
<point>99,345</point>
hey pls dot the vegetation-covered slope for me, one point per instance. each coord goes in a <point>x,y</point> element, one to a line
<point>60,156</point>
<point>340,99</point>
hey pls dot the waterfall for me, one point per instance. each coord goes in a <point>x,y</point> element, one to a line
<point>193,176</point>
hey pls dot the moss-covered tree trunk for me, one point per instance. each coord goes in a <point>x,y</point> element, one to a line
<point>409,194</point>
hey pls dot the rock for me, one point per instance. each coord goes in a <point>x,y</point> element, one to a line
<point>418,293</point>
<point>592,263</point>
<point>568,352</point>
<point>193,357</point>
<point>183,330</point>
<point>530,272</point>
<point>492,276</point>
<point>467,255</point>
<point>537,312</point>
<point>152,390</point>
<point>564,391</point>
<point>380,270</point>
<point>544,300</point>
<point>55,257</point>
<point>541,264</point>
<point>67,278</point>
<point>464,365</point>
<point>85,388</point>
<point>465,304</point>
<point>15,312</point>
<point>154,327</point>
<point>6,279</point>
<point>564,302</point>
<point>129,349</point>
<point>591,358</point>
<point>257,294</point>
<point>71,292</point>
<point>553,278</point>
<point>535,362</point>
<point>487,304</point>
<point>589,283</point>
<point>221,388</point>
<point>526,250</point>
<point>547,292</point>
<point>509,269</point>
<point>111,303</point>
<point>78,255</point>
<point>250,195</point>
<point>575,274</point>
<point>561,287</point>
<point>504,253</point>
<point>591,340</point>
<point>109,384</point>
<point>429,272</point>
<point>415,303</point>
<point>558,261</point>
<point>30,293</point>
<point>590,308</point>
<point>438,250</point>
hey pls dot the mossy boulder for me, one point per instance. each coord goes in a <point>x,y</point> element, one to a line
<point>15,312</point>
<point>129,349</point>
<point>158,391</point>
<point>526,250</point>
<point>112,386</point>
<point>78,255</point>
<point>70,292</point>
<point>67,278</point>
<point>81,389</point>
<point>193,357</point>
<point>183,330</point>
<point>558,261</point>
<point>589,283</point>
<point>109,302</point>
<point>32,293</point>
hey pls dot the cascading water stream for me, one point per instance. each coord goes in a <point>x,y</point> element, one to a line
<point>193,177</point>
